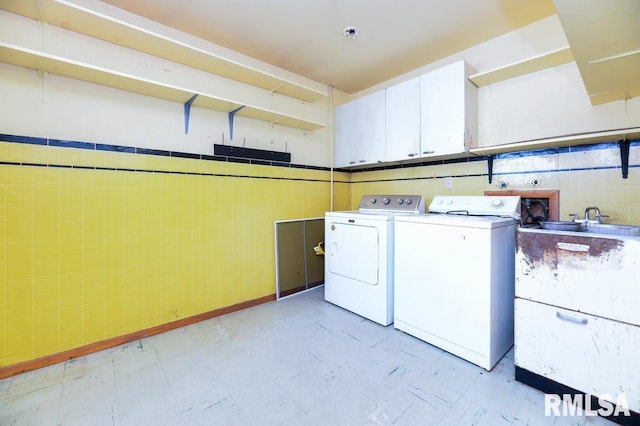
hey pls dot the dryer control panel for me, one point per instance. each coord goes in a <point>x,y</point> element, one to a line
<point>409,204</point>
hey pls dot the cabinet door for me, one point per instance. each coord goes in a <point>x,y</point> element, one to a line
<point>371,128</point>
<point>443,110</point>
<point>403,120</point>
<point>588,353</point>
<point>290,257</point>
<point>585,272</point>
<point>346,142</point>
<point>313,234</point>
<point>360,131</point>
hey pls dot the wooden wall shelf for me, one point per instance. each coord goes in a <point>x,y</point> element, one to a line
<point>66,67</point>
<point>223,80</point>
<point>105,22</point>
<point>629,133</point>
<point>540,62</point>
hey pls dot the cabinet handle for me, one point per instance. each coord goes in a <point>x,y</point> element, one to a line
<point>428,152</point>
<point>352,162</point>
<point>412,154</point>
<point>579,248</point>
<point>564,317</point>
<point>362,161</point>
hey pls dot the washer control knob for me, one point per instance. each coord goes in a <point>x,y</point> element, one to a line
<point>497,203</point>
<point>449,202</point>
<point>408,201</point>
<point>385,201</point>
<point>400,201</point>
<point>439,202</point>
<point>373,201</point>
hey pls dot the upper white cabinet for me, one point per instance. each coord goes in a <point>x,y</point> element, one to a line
<point>434,115</point>
<point>448,110</point>
<point>360,131</point>
<point>403,121</point>
<point>346,135</point>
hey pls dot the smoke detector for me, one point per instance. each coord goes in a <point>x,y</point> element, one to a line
<point>350,32</point>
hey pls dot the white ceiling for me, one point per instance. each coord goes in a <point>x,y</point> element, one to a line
<point>305,37</point>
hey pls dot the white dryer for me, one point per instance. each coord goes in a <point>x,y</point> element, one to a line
<point>455,275</point>
<point>359,255</point>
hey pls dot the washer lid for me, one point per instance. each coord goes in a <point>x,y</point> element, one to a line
<point>480,205</point>
<point>458,221</point>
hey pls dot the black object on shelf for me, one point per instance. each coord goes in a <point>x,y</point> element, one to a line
<point>251,153</point>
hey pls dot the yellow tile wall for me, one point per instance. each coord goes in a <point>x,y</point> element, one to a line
<point>88,254</point>
<point>427,181</point>
<point>584,178</point>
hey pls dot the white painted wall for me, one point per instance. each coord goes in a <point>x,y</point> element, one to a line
<point>48,105</point>
<point>531,40</point>
<point>57,107</point>
<point>545,104</point>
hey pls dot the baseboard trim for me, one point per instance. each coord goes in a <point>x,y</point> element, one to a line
<point>23,367</point>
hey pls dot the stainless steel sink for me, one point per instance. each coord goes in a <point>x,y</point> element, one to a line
<point>611,229</point>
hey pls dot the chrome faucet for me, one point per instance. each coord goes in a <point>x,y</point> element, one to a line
<point>597,218</point>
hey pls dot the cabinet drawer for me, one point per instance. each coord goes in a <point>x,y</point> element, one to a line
<point>596,275</point>
<point>591,354</point>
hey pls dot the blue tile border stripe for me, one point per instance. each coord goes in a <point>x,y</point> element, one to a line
<point>179,154</point>
<point>71,144</point>
<point>508,155</point>
<point>24,139</point>
<point>171,172</point>
<point>115,148</point>
<point>148,151</point>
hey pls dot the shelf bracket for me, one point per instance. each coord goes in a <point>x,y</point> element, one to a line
<point>490,167</point>
<point>231,115</point>
<point>624,157</point>
<point>187,112</point>
<point>272,91</point>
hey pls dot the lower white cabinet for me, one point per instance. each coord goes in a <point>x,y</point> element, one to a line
<point>585,352</point>
<point>586,272</point>
<point>576,317</point>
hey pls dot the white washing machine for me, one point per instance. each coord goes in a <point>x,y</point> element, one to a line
<point>359,254</point>
<point>455,275</point>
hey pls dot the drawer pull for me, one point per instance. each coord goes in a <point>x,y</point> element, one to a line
<point>580,248</point>
<point>564,317</point>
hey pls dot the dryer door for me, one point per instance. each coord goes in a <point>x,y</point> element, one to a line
<point>353,251</point>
